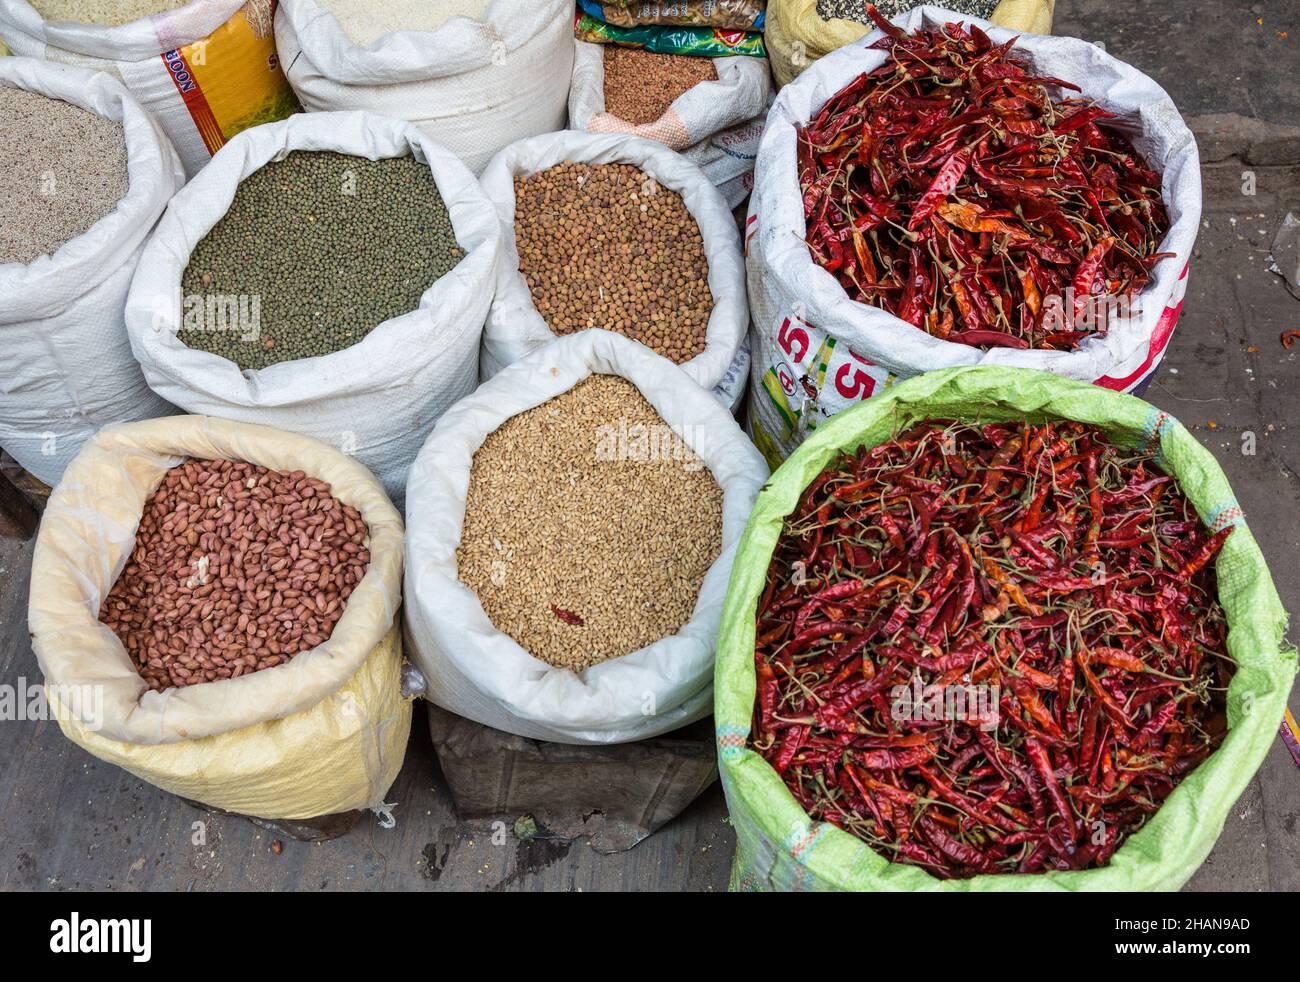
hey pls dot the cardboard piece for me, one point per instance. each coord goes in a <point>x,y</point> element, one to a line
<point>612,795</point>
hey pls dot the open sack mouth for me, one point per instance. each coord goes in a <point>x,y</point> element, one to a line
<point>994,623</point>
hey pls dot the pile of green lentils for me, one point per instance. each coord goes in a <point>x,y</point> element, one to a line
<point>331,246</point>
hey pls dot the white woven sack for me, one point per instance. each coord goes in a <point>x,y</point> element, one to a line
<point>478,672</point>
<point>67,364</point>
<point>377,399</point>
<point>199,97</point>
<point>741,91</point>
<point>817,352</point>
<point>474,86</point>
<point>727,158</point>
<point>515,327</point>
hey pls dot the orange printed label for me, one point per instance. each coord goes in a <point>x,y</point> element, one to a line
<point>231,79</point>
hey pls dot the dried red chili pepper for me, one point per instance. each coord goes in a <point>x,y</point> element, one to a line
<point>1009,555</point>
<point>568,616</point>
<point>944,183</point>
<point>947,187</point>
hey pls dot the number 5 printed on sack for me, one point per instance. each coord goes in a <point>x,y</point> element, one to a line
<point>856,378</point>
<point>793,339</point>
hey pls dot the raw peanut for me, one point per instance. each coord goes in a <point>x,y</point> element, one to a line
<point>210,589</point>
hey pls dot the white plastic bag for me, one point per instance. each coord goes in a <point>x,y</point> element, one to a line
<point>377,399</point>
<point>205,71</point>
<point>478,672</point>
<point>475,86</point>
<point>727,159</point>
<point>514,326</point>
<point>817,352</point>
<point>741,91</point>
<point>716,125</point>
<point>67,364</point>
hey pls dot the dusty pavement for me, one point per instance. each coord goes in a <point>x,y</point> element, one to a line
<point>72,822</point>
<point>1229,56</point>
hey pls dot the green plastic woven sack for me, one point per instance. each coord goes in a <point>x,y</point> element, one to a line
<point>779,847</point>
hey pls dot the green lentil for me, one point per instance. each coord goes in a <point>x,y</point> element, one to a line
<point>330,246</point>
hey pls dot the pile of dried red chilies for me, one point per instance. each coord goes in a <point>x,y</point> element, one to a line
<point>948,188</point>
<point>1050,597</point>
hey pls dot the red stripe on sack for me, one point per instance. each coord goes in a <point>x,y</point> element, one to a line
<point>1159,341</point>
<point>195,101</point>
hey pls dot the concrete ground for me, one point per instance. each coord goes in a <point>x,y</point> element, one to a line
<point>71,822</point>
<point>1227,56</point>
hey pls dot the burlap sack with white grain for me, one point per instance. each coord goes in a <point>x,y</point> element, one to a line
<point>205,71</point>
<point>474,86</point>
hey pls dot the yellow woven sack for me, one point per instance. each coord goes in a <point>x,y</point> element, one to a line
<point>323,733</point>
<point>796,36</point>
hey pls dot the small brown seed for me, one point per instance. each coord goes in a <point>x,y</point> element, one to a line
<point>605,245</point>
<point>538,535</point>
<point>640,85</point>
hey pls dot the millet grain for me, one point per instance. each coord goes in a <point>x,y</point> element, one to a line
<point>63,168</point>
<point>622,544</point>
